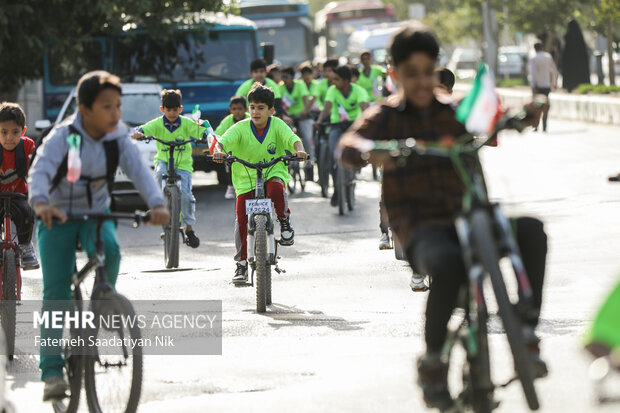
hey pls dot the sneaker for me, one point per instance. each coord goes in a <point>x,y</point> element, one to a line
<point>433,379</point>
<point>614,178</point>
<point>241,273</point>
<point>287,233</point>
<point>334,200</point>
<point>230,192</point>
<point>55,388</point>
<point>417,284</point>
<point>29,257</point>
<point>532,342</point>
<point>384,242</point>
<point>192,240</point>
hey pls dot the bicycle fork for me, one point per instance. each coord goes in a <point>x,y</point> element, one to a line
<point>272,258</point>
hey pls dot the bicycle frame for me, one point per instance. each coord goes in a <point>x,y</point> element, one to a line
<point>272,248</point>
<point>8,243</point>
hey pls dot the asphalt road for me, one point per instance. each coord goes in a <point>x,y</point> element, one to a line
<point>345,329</point>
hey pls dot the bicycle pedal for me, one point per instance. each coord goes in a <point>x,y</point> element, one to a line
<point>279,270</point>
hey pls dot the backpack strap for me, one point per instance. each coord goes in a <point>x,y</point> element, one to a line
<point>111,158</point>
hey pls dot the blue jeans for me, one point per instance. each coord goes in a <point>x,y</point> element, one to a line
<point>188,202</point>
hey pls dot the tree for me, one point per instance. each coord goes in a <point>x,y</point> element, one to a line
<point>608,14</point>
<point>26,27</point>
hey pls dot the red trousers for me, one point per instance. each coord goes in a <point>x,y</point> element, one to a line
<point>277,193</point>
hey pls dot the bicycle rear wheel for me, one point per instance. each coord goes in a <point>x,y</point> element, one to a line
<point>350,185</point>
<point>293,171</point>
<point>9,299</point>
<point>260,240</point>
<point>486,248</point>
<point>324,169</point>
<point>113,375</point>
<point>341,191</point>
<point>172,229</point>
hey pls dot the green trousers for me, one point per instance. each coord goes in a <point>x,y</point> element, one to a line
<point>57,256</point>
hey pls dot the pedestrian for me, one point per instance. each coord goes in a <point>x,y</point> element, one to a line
<point>543,77</point>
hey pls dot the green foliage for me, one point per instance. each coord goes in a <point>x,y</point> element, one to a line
<point>587,88</point>
<point>27,25</point>
<point>510,82</point>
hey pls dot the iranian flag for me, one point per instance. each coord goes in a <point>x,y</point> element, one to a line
<point>481,108</point>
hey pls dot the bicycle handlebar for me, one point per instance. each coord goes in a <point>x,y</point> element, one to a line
<point>260,165</point>
<point>172,144</point>
<point>137,217</point>
<point>13,195</point>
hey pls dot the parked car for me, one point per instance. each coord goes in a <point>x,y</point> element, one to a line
<point>140,103</point>
<point>464,63</point>
<point>511,62</point>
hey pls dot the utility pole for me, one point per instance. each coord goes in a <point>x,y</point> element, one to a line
<point>489,28</point>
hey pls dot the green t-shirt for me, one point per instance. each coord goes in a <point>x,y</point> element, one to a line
<point>371,83</point>
<point>293,101</point>
<point>314,91</point>
<point>183,154</point>
<point>346,109</point>
<point>243,141</point>
<point>246,86</point>
<point>321,88</point>
<point>226,123</point>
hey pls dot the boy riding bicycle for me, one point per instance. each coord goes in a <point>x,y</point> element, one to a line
<point>15,160</point>
<point>95,128</point>
<point>263,137</point>
<point>371,76</point>
<point>170,127</point>
<point>423,196</point>
<point>344,103</point>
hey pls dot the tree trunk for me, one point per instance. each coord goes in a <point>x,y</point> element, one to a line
<point>610,53</point>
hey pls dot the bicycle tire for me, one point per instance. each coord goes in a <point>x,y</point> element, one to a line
<point>481,225</point>
<point>115,304</point>
<point>480,368</point>
<point>350,177</point>
<point>73,370</point>
<point>172,229</point>
<point>268,285</point>
<point>324,170</point>
<point>9,299</point>
<point>341,190</point>
<point>260,256</point>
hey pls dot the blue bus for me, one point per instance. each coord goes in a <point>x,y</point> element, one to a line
<point>207,66</point>
<point>284,23</point>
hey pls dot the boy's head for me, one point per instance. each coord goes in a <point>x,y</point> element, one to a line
<point>342,77</point>
<point>99,99</point>
<point>274,73</point>
<point>355,74</point>
<point>328,68</point>
<point>445,79</point>
<point>307,74</point>
<point>288,76</point>
<point>538,46</point>
<point>366,58</point>
<point>258,70</point>
<point>261,99</point>
<point>414,51</point>
<point>12,125</point>
<point>171,105</point>
<point>238,107</point>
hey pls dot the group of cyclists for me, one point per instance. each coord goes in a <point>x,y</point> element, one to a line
<point>275,111</point>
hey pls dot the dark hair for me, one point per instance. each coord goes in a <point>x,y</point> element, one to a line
<point>415,38</point>
<point>344,72</point>
<point>355,72</point>
<point>171,98</point>
<point>289,71</point>
<point>238,99</point>
<point>364,53</point>
<point>538,46</point>
<point>306,69</point>
<point>93,83</point>
<point>258,64</point>
<point>273,68</point>
<point>445,77</point>
<point>12,111</point>
<point>261,94</point>
<point>333,63</point>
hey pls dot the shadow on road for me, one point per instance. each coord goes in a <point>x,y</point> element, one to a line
<point>296,317</point>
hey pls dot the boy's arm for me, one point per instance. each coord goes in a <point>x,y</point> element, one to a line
<point>133,165</point>
<point>367,128</point>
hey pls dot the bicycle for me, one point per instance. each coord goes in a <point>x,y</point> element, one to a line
<point>92,364</point>
<point>11,283</point>
<point>323,160</point>
<point>172,193</point>
<point>485,236</point>
<point>262,245</point>
<point>345,179</point>
<point>293,167</point>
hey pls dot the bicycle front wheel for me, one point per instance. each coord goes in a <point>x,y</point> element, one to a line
<point>350,185</point>
<point>172,229</point>
<point>324,169</point>
<point>260,240</point>
<point>9,299</point>
<point>113,374</point>
<point>341,191</point>
<point>486,248</point>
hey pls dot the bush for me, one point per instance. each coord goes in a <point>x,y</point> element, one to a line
<point>510,82</point>
<point>596,89</point>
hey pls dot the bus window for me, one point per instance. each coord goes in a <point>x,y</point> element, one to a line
<point>85,56</point>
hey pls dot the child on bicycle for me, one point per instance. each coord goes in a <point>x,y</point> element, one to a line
<point>15,160</point>
<point>371,76</point>
<point>96,126</point>
<point>238,109</point>
<point>263,137</point>
<point>344,103</point>
<point>423,195</point>
<point>169,127</point>
<point>258,74</point>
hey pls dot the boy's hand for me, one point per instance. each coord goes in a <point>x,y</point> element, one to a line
<point>137,135</point>
<point>159,215</point>
<point>301,154</point>
<point>218,156</point>
<point>47,214</point>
